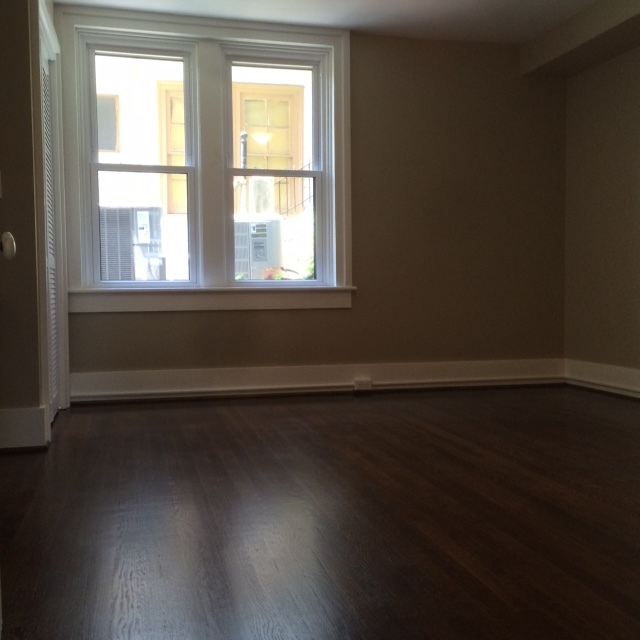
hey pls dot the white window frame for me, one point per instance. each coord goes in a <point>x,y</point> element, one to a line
<point>209,47</point>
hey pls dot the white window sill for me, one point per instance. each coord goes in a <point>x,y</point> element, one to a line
<point>140,300</point>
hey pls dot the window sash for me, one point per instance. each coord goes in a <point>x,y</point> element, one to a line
<point>290,264</point>
<point>322,145</point>
<point>96,169</point>
<point>127,46</point>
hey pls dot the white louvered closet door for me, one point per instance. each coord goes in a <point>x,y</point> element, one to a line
<point>53,347</point>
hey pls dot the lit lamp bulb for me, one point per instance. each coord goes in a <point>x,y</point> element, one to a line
<point>262,138</point>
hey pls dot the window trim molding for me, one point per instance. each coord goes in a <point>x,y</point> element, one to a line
<point>184,34</point>
<point>209,299</point>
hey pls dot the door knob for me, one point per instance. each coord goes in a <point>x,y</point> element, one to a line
<point>8,245</point>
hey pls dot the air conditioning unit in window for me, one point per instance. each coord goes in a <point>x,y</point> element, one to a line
<point>131,244</point>
<point>258,249</point>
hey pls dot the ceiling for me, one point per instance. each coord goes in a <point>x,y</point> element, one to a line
<point>513,21</point>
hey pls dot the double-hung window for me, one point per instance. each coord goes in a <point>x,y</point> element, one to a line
<point>141,166</point>
<point>206,163</point>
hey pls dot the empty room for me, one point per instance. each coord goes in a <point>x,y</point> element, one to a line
<point>320,320</point>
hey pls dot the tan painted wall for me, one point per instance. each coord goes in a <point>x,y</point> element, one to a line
<point>458,222</point>
<point>19,365</point>
<point>603,214</point>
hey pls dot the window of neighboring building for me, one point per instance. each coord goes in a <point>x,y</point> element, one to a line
<point>213,160</point>
<point>107,115</point>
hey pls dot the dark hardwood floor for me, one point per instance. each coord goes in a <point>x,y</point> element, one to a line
<point>489,513</point>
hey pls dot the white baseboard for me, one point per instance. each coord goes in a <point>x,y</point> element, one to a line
<point>30,427</point>
<point>116,385</point>
<point>603,377</point>
<point>24,428</point>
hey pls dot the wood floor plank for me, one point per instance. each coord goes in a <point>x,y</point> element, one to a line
<point>488,513</point>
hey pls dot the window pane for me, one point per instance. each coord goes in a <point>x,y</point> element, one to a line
<point>274,228</point>
<point>140,110</point>
<point>273,107</point>
<point>139,238</point>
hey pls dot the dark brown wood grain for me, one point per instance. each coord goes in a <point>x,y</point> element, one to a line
<point>489,513</point>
